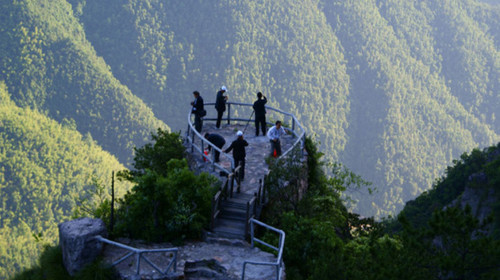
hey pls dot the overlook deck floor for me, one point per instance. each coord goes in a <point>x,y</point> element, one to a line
<point>256,152</point>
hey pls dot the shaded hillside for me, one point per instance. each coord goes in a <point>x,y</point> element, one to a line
<point>393,89</point>
<point>282,48</point>
<point>474,179</point>
<point>407,121</point>
<point>45,169</point>
<point>48,64</point>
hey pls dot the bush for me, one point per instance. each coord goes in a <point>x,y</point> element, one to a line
<point>171,207</point>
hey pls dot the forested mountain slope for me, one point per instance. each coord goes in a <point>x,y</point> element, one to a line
<point>473,179</point>
<point>405,115</point>
<point>393,89</point>
<point>45,169</point>
<point>48,64</point>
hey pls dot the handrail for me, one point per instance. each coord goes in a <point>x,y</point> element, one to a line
<point>215,208</point>
<point>191,133</point>
<point>250,213</point>
<point>221,193</point>
<point>200,149</point>
<point>279,259</point>
<point>139,255</point>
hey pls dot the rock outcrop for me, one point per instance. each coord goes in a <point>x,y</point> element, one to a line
<point>77,242</point>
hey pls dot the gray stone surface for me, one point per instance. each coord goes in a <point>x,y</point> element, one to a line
<point>78,246</point>
<point>228,256</point>
<point>206,269</point>
<point>257,151</point>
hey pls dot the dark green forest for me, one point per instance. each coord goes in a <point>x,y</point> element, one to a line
<point>395,90</point>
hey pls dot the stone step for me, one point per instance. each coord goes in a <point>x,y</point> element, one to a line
<point>229,228</point>
<point>240,197</point>
<point>230,223</point>
<point>233,204</point>
<point>233,213</point>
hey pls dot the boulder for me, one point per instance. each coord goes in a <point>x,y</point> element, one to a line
<point>205,269</point>
<point>78,244</point>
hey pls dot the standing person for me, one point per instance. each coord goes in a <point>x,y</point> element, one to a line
<point>220,105</point>
<point>274,135</point>
<point>198,110</point>
<point>239,154</point>
<point>260,113</point>
<point>218,141</point>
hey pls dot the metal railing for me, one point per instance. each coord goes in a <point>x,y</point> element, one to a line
<point>139,254</point>
<point>279,259</point>
<point>244,109</point>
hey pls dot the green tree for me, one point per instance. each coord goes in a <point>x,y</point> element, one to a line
<point>171,201</point>
<point>454,245</point>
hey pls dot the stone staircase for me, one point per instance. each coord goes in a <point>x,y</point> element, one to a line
<point>231,221</point>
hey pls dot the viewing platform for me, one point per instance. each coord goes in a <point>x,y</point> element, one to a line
<point>239,201</point>
<point>257,151</point>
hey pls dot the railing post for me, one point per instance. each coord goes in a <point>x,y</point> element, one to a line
<point>192,141</point>
<point>138,263</point>
<point>260,192</point>
<point>229,113</point>
<point>212,219</point>
<point>203,151</point>
<point>247,219</point>
<point>232,184</point>
<point>254,214</point>
<point>251,232</point>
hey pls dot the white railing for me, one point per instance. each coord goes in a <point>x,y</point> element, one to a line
<point>193,137</point>
<point>139,255</point>
<point>279,258</point>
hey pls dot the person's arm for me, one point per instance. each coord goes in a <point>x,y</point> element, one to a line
<point>197,105</point>
<point>229,149</point>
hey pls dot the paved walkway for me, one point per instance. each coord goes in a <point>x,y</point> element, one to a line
<point>258,149</point>
<point>230,254</point>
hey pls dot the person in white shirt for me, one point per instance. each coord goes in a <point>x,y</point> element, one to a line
<point>274,135</point>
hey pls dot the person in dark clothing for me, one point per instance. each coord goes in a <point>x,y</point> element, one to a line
<point>198,110</point>
<point>239,154</point>
<point>218,141</point>
<point>220,105</point>
<point>260,113</point>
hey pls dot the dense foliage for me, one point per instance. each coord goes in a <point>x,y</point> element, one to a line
<point>171,202</point>
<point>51,266</point>
<point>478,170</point>
<point>47,64</point>
<point>46,170</point>
<point>325,241</point>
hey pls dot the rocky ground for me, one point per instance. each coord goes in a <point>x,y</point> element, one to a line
<point>211,259</point>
